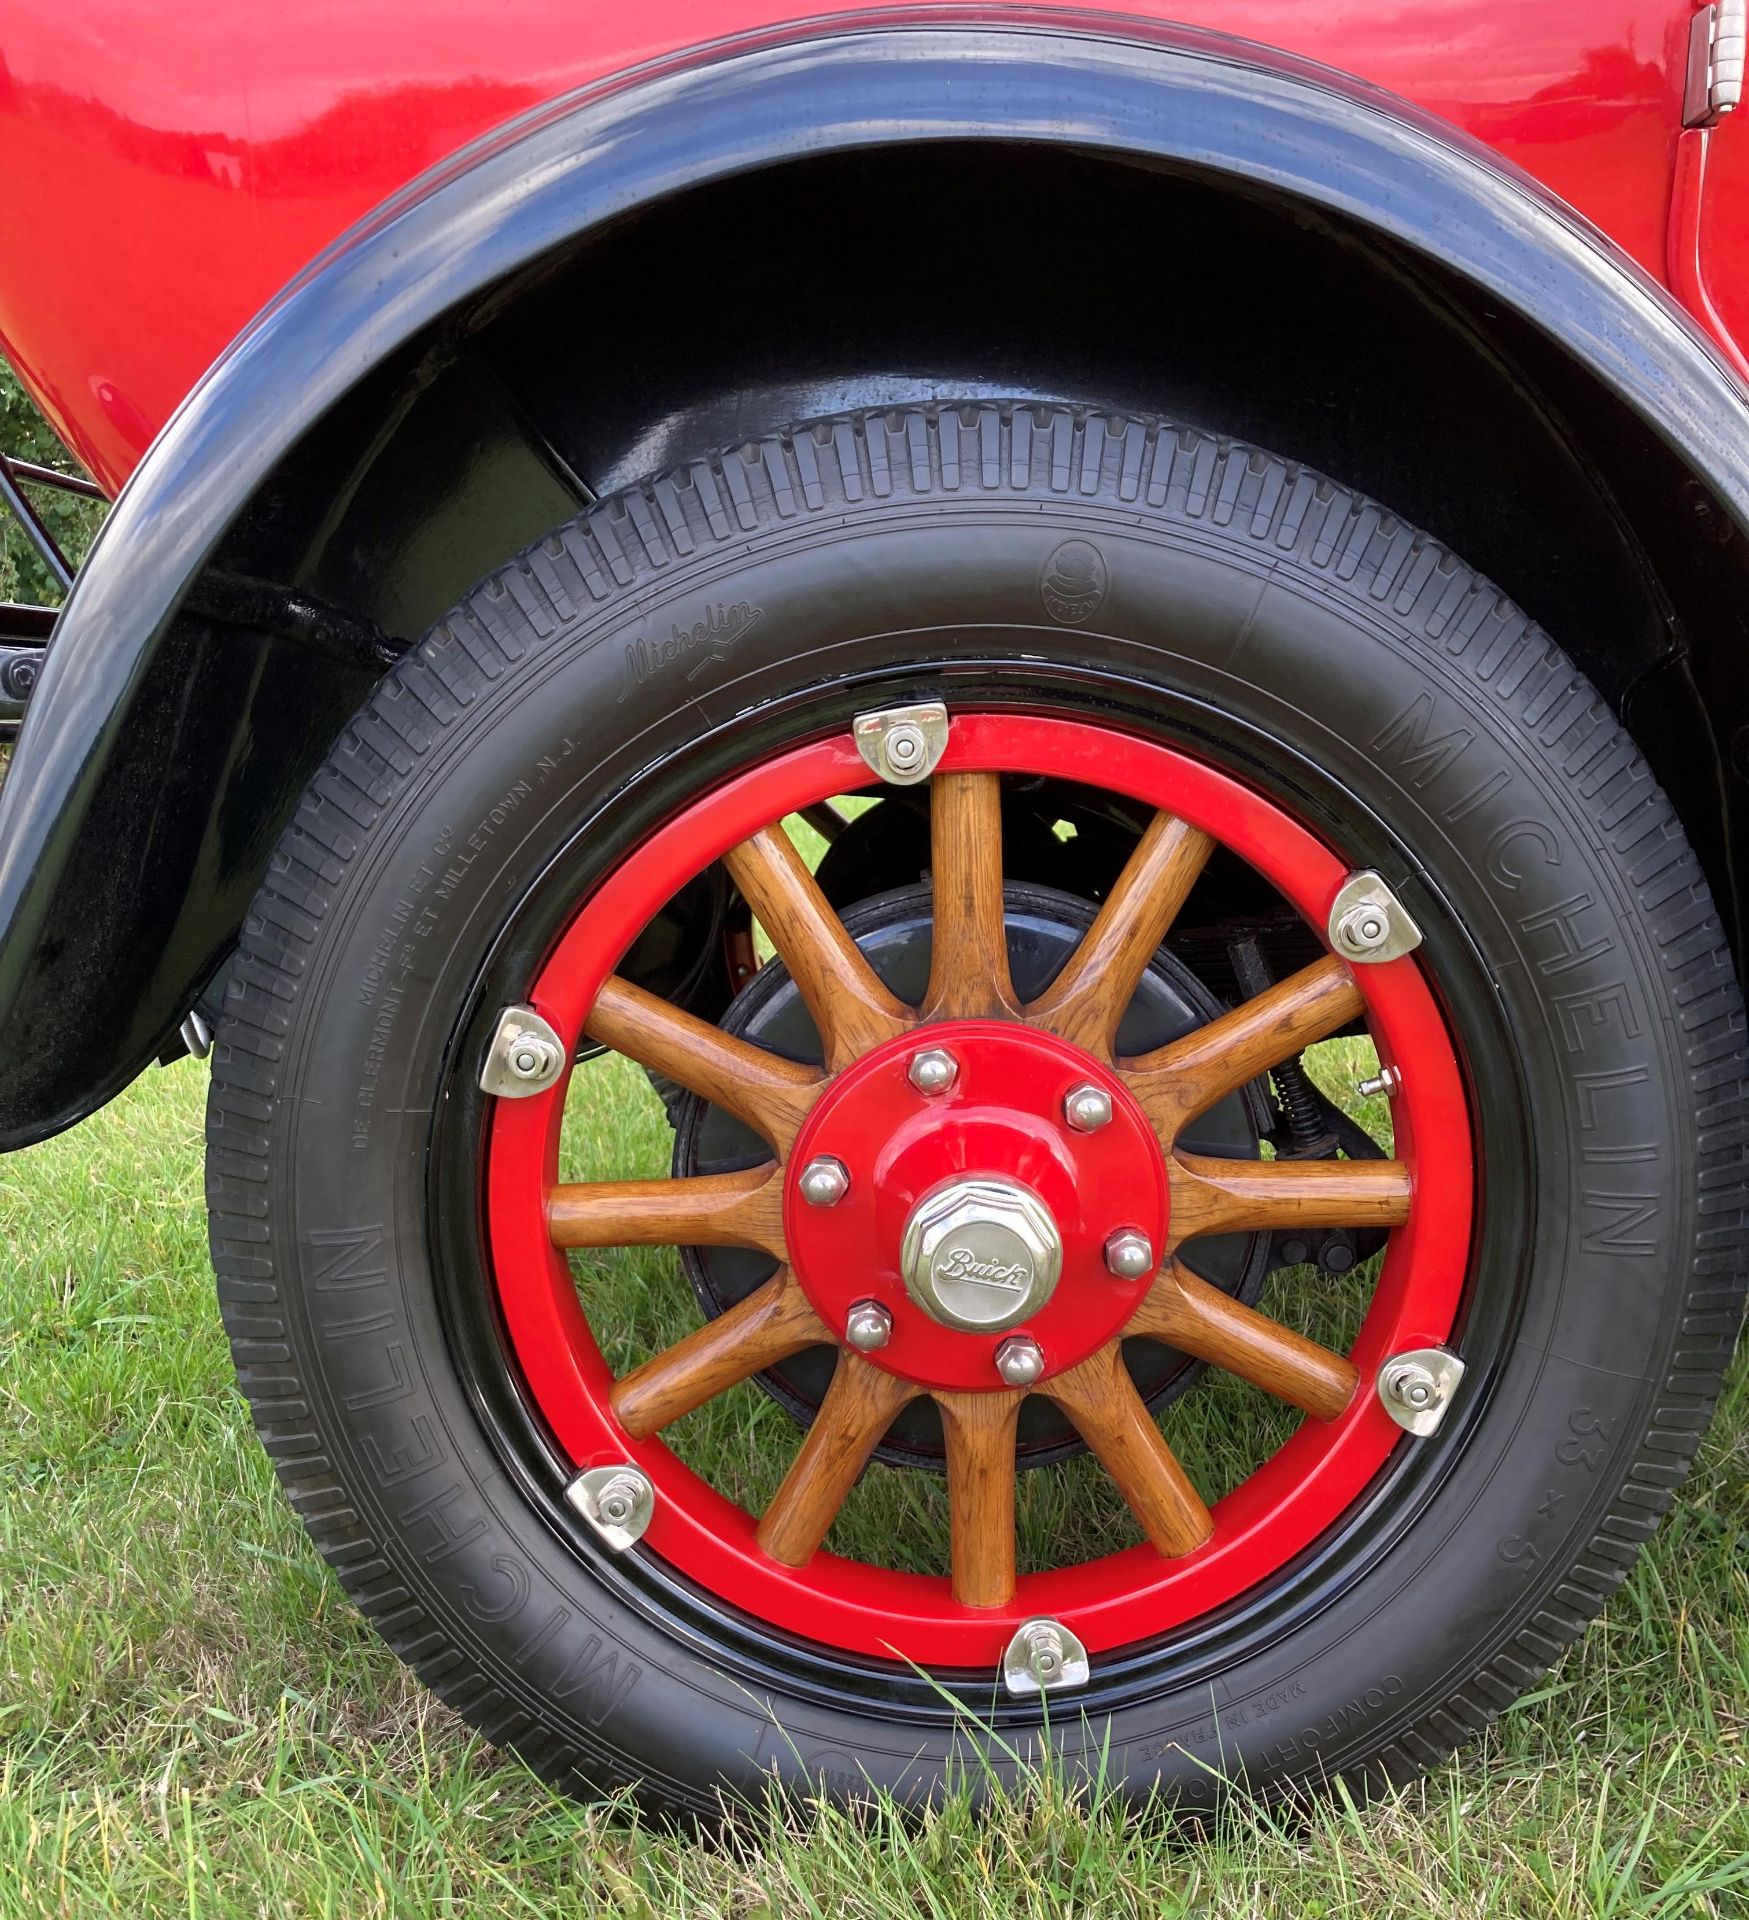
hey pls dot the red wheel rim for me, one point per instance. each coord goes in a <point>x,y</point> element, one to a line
<point>1125,1597</point>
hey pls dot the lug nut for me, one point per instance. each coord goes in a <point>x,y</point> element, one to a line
<point>1020,1360</point>
<point>1087,1108</point>
<point>825,1181</point>
<point>868,1326</point>
<point>1129,1254</point>
<point>933,1070</point>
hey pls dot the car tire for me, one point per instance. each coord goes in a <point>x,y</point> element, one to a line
<point>1154,594</point>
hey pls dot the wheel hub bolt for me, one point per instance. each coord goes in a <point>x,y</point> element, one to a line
<point>825,1181</point>
<point>1129,1254</point>
<point>933,1070</point>
<point>1020,1360</point>
<point>1087,1108</point>
<point>532,1057</point>
<point>868,1326</point>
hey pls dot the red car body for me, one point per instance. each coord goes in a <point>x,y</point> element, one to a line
<point>185,164</point>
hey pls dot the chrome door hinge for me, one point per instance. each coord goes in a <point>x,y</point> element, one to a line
<point>1716,41</point>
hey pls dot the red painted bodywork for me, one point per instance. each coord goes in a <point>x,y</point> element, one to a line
<point>165,170</point>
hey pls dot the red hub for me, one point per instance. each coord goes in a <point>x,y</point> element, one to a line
<point>1003,1114</point>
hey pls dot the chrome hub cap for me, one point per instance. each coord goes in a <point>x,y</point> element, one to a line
<point>981,1253</point>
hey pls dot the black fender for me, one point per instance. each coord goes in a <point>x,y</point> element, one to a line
<point>162,754</point>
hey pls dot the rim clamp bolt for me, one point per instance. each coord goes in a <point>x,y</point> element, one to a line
<point>525,1056</point>
<point>616,1501</point>
<point>902,744</point>
<point>1368,923</point>
<point>1416,1387</point>
<point>1042,1656</point>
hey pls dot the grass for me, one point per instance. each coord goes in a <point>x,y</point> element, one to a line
<point>194,1722</point>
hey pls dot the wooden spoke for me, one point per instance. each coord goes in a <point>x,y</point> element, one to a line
<point>1186,1077</point>
<point>1239,1196</point>
<point>850,1006</point>
<point>768,1092</point>
<point>1101,1399</point>
<point>980,1431</point>
<point>968,968</point>
<point>858,1409</point>
<point>711,1210</point>
<point>1185,1311</point>
<point>1087,999</point>
<point>773,1322</point>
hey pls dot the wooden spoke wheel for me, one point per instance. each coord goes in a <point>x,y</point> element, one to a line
<point>993,1132</point>
<point>942,1213</point>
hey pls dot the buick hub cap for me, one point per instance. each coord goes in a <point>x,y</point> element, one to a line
<point>981,1253</point>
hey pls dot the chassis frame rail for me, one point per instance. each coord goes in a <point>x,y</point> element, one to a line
<point>24,628</point>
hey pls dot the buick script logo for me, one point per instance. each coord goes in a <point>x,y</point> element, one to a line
<point>961,1263</point>
<point>697,646</point>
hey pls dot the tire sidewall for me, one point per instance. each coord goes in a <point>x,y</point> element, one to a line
<point>481,777</point>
